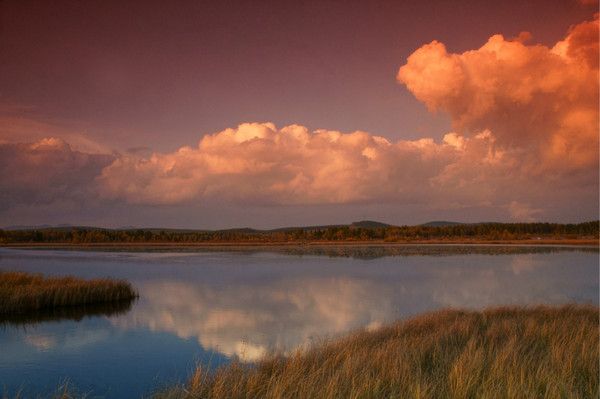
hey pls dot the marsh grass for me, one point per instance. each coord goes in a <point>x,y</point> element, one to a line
<point>28,294</point>
<point>540,352</point>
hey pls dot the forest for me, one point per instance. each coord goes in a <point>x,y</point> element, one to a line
<point>353,232</point>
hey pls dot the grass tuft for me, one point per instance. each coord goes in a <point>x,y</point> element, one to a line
<point>24,293</point>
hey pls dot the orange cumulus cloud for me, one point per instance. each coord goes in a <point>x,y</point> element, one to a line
<point>537,98</point>
<point>257,162</point>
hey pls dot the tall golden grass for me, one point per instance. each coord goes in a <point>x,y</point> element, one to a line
<point>24,293</point>
<point>510,352</point>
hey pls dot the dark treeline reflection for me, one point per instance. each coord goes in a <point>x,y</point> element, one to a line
<point>373,252</point>
<point>367,251</point>
<point>75,313</point>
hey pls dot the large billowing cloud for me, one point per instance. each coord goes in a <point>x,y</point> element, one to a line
<point>259,163</point>
<point>539,99</point>
<point>525,140</point>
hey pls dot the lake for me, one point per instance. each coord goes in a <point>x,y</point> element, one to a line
<point>210,306</point>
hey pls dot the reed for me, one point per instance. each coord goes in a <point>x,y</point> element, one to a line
<point>25,293</point>
<point>509,352</point>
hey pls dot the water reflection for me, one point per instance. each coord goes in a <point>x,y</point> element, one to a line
<point>379,251</point>
<point>361,251</point>
<point>243,321</point>
<point>73,341</point>
<point>210,305</point>
<point>75,313</point>
<point>245,313</point>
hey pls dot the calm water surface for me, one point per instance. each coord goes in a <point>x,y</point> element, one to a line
<point>211,306</point>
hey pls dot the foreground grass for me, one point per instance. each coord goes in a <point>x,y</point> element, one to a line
<point>540,352</point>
<point>22,293</point>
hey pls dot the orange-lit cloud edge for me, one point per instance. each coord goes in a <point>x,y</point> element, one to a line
<point>525,121</point>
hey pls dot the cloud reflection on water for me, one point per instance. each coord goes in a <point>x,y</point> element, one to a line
<point>247,321</point>
<point>245,317</point>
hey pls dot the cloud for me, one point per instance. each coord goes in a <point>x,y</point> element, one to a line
<point>522,212</point>
<point>524,141</point>
<point>257,162</point>
<point>542,100</point>
<point>524,116</point>
<point>46,171</point>
<point>19,125</point>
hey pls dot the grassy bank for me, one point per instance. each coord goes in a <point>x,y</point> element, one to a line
<point>540,352</point>
<point>22,293</point>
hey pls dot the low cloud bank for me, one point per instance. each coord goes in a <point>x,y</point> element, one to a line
<point>46,171</point>
<point>259,163</point>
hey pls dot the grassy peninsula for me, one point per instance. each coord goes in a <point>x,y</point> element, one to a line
<point>541,352</point>
<point>25,293</point>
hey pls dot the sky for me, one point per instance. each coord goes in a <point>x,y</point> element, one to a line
<point>224,114</point>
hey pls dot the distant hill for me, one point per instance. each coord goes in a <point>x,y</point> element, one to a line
<point>48,227</point>
<point>369,224</point>
<point>441,223</point>
<point>247,230</point>
<point>365,224</point>
<point>361,224</point>
<point>22,227</point>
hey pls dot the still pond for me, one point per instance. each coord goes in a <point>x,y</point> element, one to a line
<point>212,306</point>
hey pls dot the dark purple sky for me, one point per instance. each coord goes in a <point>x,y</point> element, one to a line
<point>161,74</point>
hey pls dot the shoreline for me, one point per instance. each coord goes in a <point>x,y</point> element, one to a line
<point>289,244</point>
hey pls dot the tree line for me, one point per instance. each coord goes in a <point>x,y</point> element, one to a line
<point>482,231</point>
